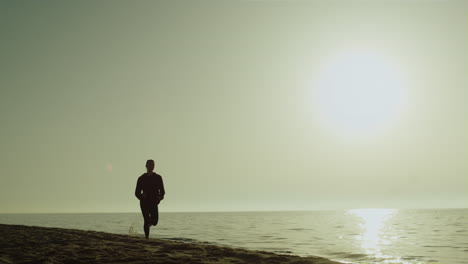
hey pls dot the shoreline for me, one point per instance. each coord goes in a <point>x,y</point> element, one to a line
<point>33,244</point>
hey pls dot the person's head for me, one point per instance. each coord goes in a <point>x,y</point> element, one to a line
<point>150,165</point>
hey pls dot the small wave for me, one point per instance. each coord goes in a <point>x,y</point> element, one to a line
<point>348,255</point>
<point>432,246</point>
<point>280,250</point>
<point>301,229</point>
<point>412,257</point>
<point>262,242</point>
<point>284,252</point>
<point>317,238</point>
<point>188,240</point>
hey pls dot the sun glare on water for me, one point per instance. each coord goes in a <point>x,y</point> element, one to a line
<point>373,223</point>
<point>359,93</point>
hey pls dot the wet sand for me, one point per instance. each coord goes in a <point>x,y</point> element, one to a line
<point>30,244</point>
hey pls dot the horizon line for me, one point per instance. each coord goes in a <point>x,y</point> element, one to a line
<point>247,211</point>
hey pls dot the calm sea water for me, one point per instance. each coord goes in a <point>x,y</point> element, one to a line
<point>355,236</point>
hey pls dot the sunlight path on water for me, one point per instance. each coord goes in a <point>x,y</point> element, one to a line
<point>373,223</point>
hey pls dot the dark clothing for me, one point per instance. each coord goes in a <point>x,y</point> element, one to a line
<point>150,187</point>
<point>150,215</point>
<point>150,191</point>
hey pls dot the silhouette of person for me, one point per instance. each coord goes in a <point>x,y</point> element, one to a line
<point>150,191</point>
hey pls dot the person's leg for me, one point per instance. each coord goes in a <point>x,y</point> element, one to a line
<point>146,218</point>
<point>154,214</point>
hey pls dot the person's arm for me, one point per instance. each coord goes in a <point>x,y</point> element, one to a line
<point>162,192</point>
<point>138,190</point>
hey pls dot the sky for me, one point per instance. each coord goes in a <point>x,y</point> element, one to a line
<point>243,105</point>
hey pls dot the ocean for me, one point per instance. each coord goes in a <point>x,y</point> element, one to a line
<point>352,236</point>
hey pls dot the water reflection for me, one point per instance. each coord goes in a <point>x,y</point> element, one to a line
<point>373,223</point>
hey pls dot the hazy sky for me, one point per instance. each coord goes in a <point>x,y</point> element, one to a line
<point>244,105</point>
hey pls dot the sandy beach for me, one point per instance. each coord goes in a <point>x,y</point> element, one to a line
<point>31,244</point>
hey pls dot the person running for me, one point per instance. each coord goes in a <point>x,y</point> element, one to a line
<point>150,191</point>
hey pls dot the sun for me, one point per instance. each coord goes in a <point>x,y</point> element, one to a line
<point>359,93</point>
